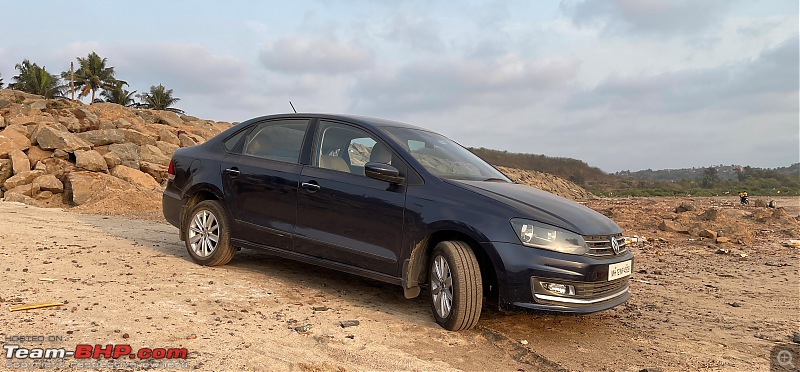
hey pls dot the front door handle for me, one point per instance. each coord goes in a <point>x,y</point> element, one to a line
<point>233,172</point>
<point>311,186</point>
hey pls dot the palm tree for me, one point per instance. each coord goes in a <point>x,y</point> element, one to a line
<point>1,82</point>
<point>92,74</point>
<point>118,95</point>
<point>159,98</point>
<point>36,80</point>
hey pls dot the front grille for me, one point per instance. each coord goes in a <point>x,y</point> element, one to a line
<point>599,289</point>
<point>600,245</point>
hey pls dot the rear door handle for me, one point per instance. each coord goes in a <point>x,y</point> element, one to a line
<point>310,186</point>
<point>233,172</point>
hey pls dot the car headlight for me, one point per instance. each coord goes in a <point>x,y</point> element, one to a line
<point>539,235</point>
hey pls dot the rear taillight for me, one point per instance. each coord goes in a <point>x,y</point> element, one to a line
<point>171,170</point>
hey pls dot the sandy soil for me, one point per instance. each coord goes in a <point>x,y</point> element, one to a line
<point>129,280</point>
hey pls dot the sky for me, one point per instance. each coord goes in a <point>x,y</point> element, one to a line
<point>619,84</point>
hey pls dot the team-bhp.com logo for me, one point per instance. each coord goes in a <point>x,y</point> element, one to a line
<point>15,353</point>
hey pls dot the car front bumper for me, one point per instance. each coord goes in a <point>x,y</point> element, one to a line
<point>523,272</point>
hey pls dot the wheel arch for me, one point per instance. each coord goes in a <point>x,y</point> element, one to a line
<point>194,195</point>
<point>415,269</point>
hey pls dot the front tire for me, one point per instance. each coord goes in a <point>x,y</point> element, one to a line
<point>456,288</point>
<point>208,239</point>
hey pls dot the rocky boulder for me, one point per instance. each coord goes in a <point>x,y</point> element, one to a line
<point>85,187</point>
<point>19,161</point>
<point>706,233</point>
<point>158,171</point>
<point>20,140</point>
<point>30,189</point>
<point>6,170</point>
<point>169,118</point>
<point>684,207</point>
<point>8,144</point>
<point>186,141</point>
<point>761,203</point>
<point>710,214</point>
<point>128,153</point>
<point>137,137</point>
<point>103,137</point>
<point>166,134</point>
<point>57,167</point>
<point>90,160</point>
<point>49,182</point>
<point>135,177</point>
<point>167,148</point>
<point>49,138</point>
<point>28,120</point>
<point>152,154</point>
<point>18,198</point>
<point>22,178</point>
<point>86,117</point>
<point>40,104</point>
<point>671,226</point>
<point>38,128</point>
<point>112,159</point>
<point>36,154</point>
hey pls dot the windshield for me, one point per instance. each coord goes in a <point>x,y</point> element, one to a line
<point>442,157</point>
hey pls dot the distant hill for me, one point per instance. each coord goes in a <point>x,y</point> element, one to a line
<point>574,170</point>
<point>714,180</point>
<point>724,172</point>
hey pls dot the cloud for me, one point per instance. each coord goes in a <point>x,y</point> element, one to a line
<point>440,85</point>
<point>658,17</point>
<point>419,33</point>
<point>744,86</point>
<point>297,54</point>
<point>191,68</point>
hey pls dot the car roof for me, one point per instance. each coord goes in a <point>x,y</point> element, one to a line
<point>365,121</point>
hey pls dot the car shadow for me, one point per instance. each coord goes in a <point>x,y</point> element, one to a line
<point>162,239</point>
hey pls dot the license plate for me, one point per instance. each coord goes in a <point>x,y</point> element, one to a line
<point>619,270</point>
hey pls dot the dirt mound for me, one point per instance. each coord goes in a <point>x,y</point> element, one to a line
<point>713,221</point>
<point>547,182</point>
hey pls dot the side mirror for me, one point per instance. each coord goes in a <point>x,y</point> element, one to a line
<point>383,172</point>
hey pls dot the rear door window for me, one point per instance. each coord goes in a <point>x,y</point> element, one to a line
<point>280,140</point>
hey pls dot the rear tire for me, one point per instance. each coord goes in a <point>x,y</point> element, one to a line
<point>456,288</point>
<point>208,237</point>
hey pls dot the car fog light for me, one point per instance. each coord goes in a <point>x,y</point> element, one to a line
<point>562,289</point>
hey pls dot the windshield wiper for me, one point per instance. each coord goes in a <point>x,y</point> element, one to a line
<point>495,180</point>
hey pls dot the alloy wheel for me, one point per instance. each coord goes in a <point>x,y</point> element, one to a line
<point>442,287</point>
<point>204,233</point>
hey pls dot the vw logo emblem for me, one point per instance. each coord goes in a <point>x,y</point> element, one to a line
<point>614,245</point>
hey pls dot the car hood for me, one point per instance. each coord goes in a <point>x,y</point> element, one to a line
<point>544,207</point>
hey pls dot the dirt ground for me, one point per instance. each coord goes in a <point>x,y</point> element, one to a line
<point>129,280</point>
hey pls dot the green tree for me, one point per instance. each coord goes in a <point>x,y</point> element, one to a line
<point>118,95</point>
<point>159,98</point>
<point>36,80</point>
<point>92,74</point>
<point>710,178</point>
<point>1,82</point>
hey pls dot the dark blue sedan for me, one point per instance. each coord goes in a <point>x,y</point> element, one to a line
<point>396,203</point>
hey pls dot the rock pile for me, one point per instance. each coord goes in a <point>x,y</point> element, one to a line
<point>547,182</point>
<point>724,225</point>
<point>63,153</point>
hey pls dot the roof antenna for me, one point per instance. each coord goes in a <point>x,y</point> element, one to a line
<point>290,104</point>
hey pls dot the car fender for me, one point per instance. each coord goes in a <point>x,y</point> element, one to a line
<point>414,268</point>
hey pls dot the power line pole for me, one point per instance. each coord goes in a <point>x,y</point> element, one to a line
<point>72,79</point>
